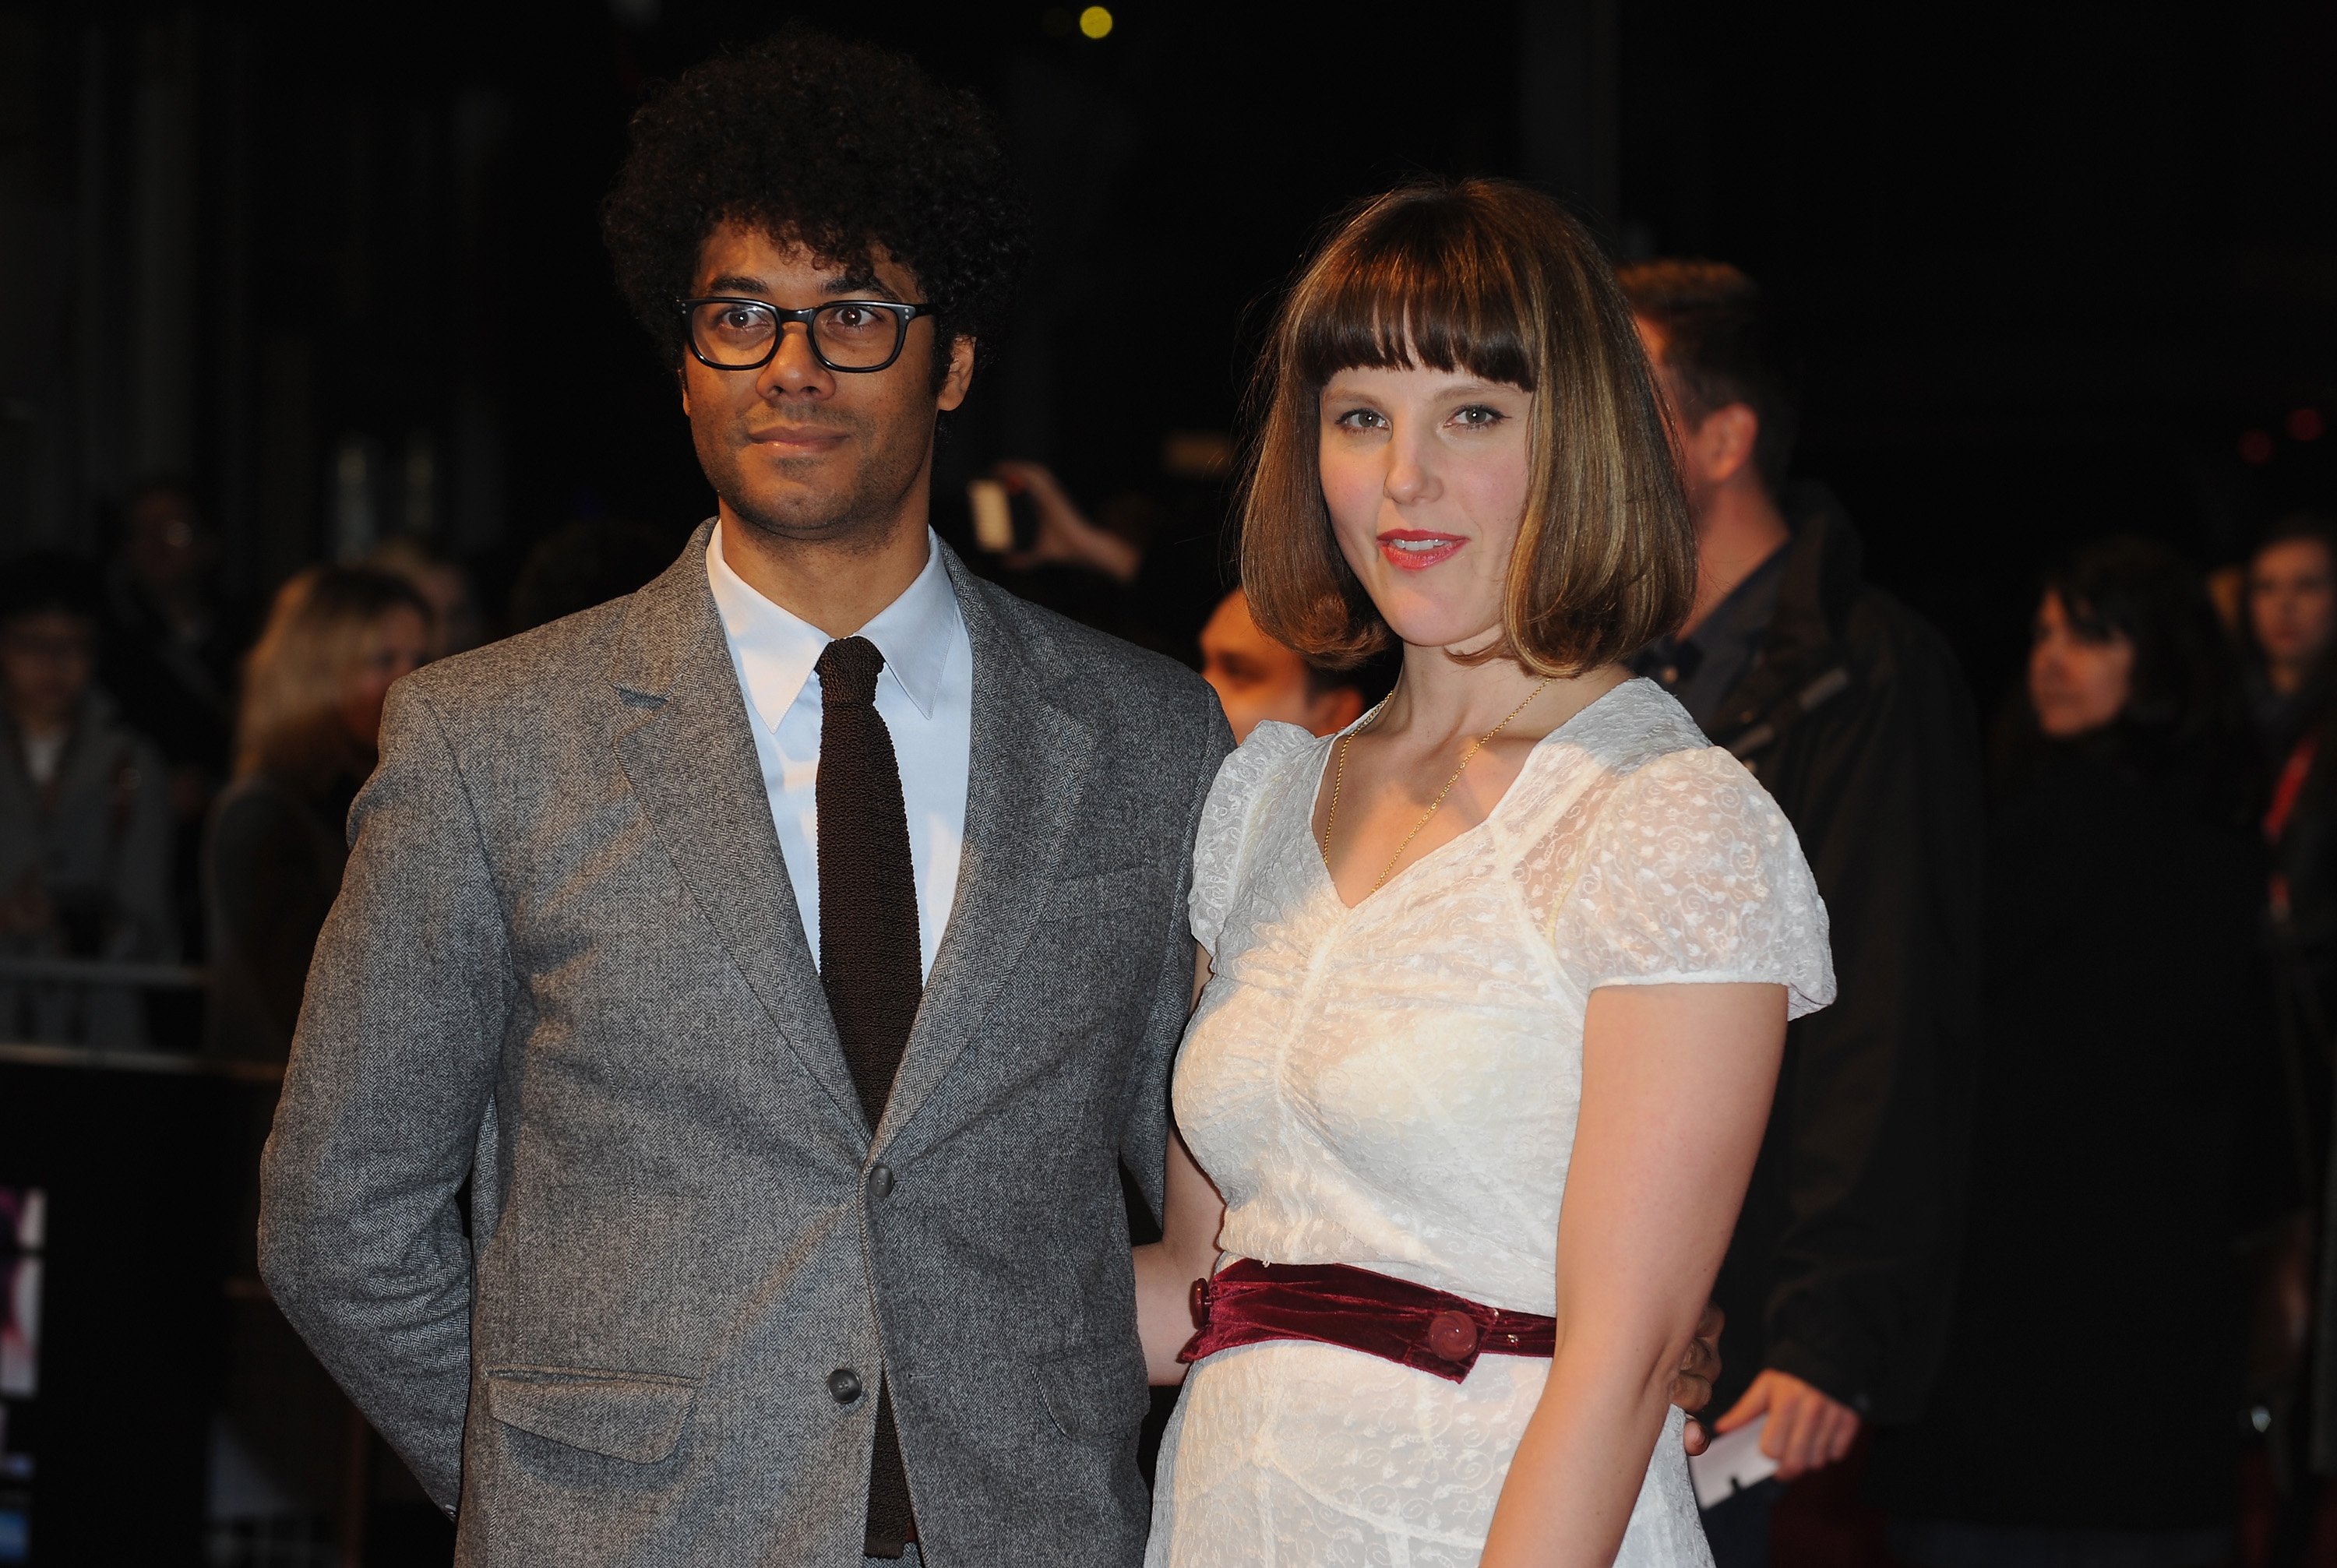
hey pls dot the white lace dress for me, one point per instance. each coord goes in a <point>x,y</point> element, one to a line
<point>1395,1086</point>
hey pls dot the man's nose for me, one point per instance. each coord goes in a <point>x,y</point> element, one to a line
<point>794,368</point>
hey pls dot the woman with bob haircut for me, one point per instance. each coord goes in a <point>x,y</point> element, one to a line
<point>1493,984</point>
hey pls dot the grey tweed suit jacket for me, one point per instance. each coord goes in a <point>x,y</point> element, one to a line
<point>566,962</point>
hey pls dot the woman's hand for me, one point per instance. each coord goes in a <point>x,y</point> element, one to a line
<point>1676,1081</point>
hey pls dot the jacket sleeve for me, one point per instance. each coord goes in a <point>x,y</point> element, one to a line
<point>392,1068</point>
<point>1873,1108</point>
<point>1144,1115</point>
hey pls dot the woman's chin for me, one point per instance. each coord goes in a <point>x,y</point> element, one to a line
<point>1446,632</point>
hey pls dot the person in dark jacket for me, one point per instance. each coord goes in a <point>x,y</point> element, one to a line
<point>2124,1058</point>
<point>2291,638</point>
<point>2292,689</point>
<point>1850,710</point>
<point>169,658</point>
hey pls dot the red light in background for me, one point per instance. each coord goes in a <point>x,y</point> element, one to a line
<point>2256,449</point>
<point>2305,424</point>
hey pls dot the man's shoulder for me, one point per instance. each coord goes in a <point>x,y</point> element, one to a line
<point>1093,673</point>
<point>1889,642</point>
<point>547,666</point>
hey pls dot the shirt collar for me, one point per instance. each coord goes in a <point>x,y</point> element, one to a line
<point>776,650</point>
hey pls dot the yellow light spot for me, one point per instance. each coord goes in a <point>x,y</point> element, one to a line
<point>1095,22</point>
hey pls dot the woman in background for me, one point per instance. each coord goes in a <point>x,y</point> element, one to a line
<point>312,695</point>
<point>2124,1065</point>
<point>291,1456</point>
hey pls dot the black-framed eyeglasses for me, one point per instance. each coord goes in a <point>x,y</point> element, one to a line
<point>855,336</point>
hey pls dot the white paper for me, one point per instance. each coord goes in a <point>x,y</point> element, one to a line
<point>1734,1461</point>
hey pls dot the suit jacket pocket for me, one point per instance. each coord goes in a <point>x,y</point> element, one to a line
<point>636,1417</point>
<point>1095,1391</point>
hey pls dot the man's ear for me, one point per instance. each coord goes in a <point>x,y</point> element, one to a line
<point>958,379</point>
<point>1722,446</point>
<point>681,379</point>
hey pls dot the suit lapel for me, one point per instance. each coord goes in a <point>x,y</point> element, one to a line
<point>1029,762</point>
<point>692,767</point>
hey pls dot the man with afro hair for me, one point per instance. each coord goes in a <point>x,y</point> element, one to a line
<point>790,954</point>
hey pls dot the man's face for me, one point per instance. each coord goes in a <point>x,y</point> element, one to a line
<point>47,660</point>
<point>798,452</point>
<point>2293,602</point>
<point>167,547</point>
<point>1257,678</point>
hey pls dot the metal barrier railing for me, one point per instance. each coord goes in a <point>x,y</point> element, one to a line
<point>100,972</point>
<point>103,972</point>
<point>137,1059</point>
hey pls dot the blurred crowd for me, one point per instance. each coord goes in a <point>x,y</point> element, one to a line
<point>2134,1301</point>
<point>178,768</point>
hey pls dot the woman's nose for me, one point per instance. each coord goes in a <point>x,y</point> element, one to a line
<point>1411,478</point>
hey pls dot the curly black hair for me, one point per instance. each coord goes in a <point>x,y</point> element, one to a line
<point>837,146</point>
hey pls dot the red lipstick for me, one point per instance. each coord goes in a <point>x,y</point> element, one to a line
<point>1416,549</point>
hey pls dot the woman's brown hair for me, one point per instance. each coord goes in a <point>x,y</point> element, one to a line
<point>319,628</point>
<point>1492,278</point>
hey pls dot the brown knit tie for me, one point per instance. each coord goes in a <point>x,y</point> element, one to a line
<point>869,961</point>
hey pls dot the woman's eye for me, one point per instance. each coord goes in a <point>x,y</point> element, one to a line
<point>1477,416</point>
<point>1358,420</point>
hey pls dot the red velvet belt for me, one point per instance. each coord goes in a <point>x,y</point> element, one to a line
<point>1248,1303</point>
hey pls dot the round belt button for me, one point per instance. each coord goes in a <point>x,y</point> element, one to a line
<point>844,1384</point>
<point>880,1181</point>
<point>1452,1335</point>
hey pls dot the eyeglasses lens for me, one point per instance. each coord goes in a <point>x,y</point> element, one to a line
<point>850,334</point>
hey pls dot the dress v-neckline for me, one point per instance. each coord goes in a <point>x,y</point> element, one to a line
<point>1322,774</point>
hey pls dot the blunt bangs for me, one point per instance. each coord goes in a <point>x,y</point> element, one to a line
<point>1421,287</point>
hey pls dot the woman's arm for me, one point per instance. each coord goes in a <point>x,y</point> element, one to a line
<point>1187,1248</point>
<point>1675,1087</point>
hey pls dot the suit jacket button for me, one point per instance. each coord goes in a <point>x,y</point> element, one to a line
<point>880,1181</point>
<point>844,1384</point>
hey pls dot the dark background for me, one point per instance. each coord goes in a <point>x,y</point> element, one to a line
<point>2059,274</point>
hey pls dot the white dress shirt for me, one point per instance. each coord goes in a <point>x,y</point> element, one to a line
<point>924,695</point>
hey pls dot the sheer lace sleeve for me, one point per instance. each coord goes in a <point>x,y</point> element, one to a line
<point>1692,872</point>
<point>1243,782</point>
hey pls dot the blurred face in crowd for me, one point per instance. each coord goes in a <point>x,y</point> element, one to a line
<point>455,618</point>
<point>797,451</point>
<point>166,547</point>
<point>1256,677</point>
<point>1425,474</point>
<point>2078,682</point>
<point>395,645</point>
<point>47,660</point>
<point>2292,604</point>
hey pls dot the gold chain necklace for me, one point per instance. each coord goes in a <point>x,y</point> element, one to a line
<point>1339,779</point>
